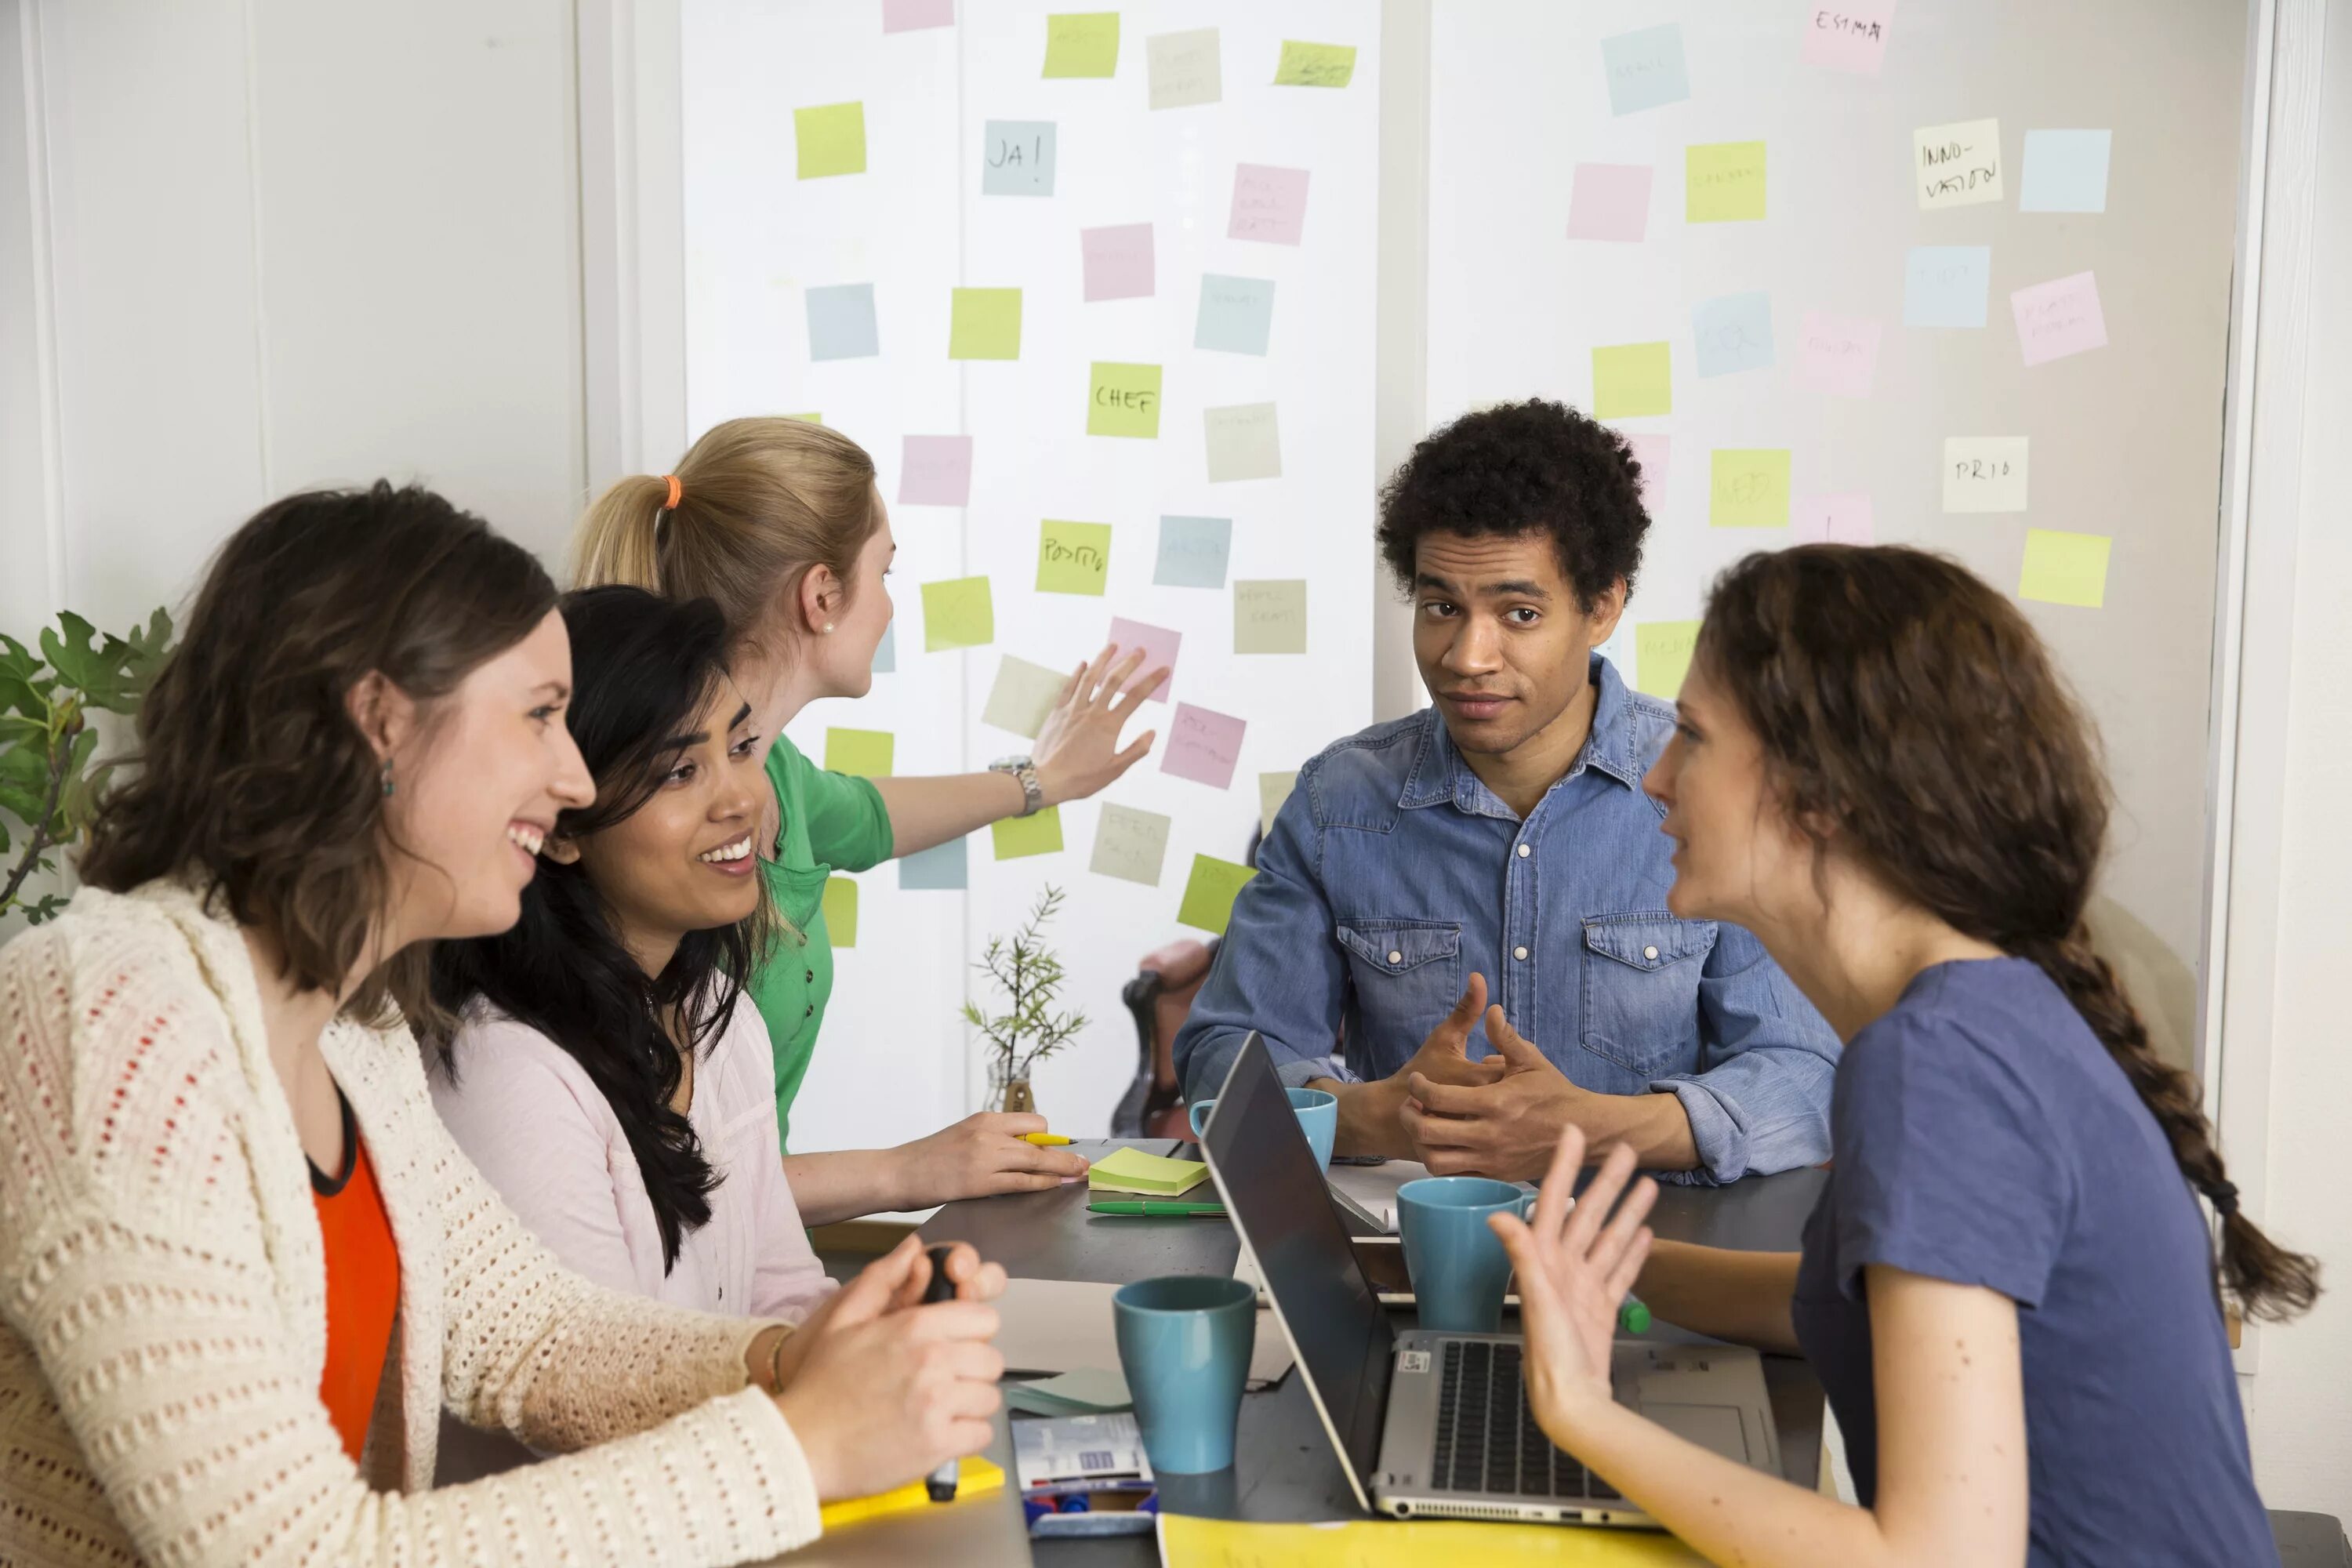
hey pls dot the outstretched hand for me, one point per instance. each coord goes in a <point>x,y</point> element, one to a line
<point>1078,753</point>
<point>1502,1124</point>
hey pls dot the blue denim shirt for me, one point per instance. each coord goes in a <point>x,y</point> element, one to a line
<point>1393,872</point>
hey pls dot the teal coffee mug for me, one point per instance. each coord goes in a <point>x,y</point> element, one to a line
<point>1459,1269</point>
<point>1319,1112</point>
<point>1184,1343</point>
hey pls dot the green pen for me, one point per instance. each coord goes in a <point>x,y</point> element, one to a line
<point>1158,1207</point>
<point>1633,1316</point>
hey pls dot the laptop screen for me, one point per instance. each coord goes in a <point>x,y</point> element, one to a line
<point>1275,1192</point>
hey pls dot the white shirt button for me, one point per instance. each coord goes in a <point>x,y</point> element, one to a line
<point>1649,953</point>
<point>1525,852</point>
<point>1396,958</point>
<point>1520,953</point>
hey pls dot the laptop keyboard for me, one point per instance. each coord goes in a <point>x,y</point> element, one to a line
<point>1488,1439</point>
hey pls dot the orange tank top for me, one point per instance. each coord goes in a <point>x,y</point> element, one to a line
<point>362,1286</point>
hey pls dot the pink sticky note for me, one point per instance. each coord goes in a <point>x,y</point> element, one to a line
<point>1119,261</point>
<point>1851,36</point>
<point>1609,201</point>
<point>1651,452</point>
<point>935,470</point>
<point>1832,519</point>
<point>1202,746</point>
<point>907,15</point>
<point>1837,354</point>
<point>1158,645</point>
<point>1269,204</point>
<point>2059,318</point>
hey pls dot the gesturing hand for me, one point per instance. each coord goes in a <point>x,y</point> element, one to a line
<point>1369,1114</point>
<point>982,1155</point>
<point>1077,750</point>
<point>1503,1124</point>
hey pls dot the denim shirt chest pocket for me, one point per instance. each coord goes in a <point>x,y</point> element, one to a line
<point>1407,975</point>
<point>1641,990</point>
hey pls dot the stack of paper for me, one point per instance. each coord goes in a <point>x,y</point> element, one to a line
<point>1084,1391</point>
<point>1133,1171</point>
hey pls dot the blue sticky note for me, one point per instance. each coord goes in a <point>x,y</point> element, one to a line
<point>1947,285</point>
<point>1193,552</point>
<point>841,322</point>
<point>1645,68</point>
<point>938,869</point>
<point>1236,314</point>
<point>2065,171</point>
<point>1016,158</point>
<point>885,652</point>
<point>1734,333</point>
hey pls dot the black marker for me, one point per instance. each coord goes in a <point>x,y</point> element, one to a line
<point>941,1483</point>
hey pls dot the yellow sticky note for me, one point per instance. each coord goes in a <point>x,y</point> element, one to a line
<point>1748,488</point>
<point>1723,182</point>
<point>841,910</point>
<point>1189,1542</point>
<point>1273,789</point>
<point>1315,65</point>
<point>1662,655</point>
<point>1128,1169</point>
<point>985,323</point>
<point>865,753</point>
<point>1082,43</point>
<point>1210,891</point>
<point>1072,557</point>
<point>958,613</point>
<point>807,418</point>
<point>1632,381</point>
<point>2065,568</point>
<point>1018,835</point>
<point>1123,400</point>
<point>830,140</point>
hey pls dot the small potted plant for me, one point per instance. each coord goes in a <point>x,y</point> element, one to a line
<point>1030,976</point>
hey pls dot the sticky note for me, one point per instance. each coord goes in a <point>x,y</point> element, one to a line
<point>1118,261</point>
<point>1848,37</point>
<point>841,323</point>
<point>1072,557</point>
<point>1832,519</point>
<point>885,652</point>
<point>1837,354</point>
<point>1733,333</point>
<point>2059,318</point>
<point>1947,285</point>
<point>1129,843</point>
<point>908,16</point>
<point>1957,165</point>
<point>1315,65</point>
<point>1130,1170</point>
<point>1748,488</point>
<point>1193,552</point>
<point>1236,314</point>
<point>958,613</point>
<point>1202,746</point>
<point>1270,616</point>
<point>1024,693</point>
<point>1662,655</point>
<point>1210,892</point>
<point>2065,171</point>
<point>1269,204</point>
<point>1123,400</point>
<point>840,908</point>
<point>1652,453</point>
<point>1645,68</point>
<point>1243,443</point>
<point>1184,68</point>
<point>985,323</point>
<point>935,470</point>
<point>1016,158</point>
<point>1273,789</point>
<point>1161,646</point>
<point>1017,836</point>
<point>1984,473</point>
<point>807,418</point>
<point>1609,201</point>
<point>1632,380</point>
<point>1082,43</point>
<point>938,869</point>
<point>830,140</point>
<point>862,753</point>
<point>2065,568</point>
<point>1723,182</point>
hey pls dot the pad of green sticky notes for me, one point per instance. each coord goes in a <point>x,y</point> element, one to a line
<point>1018,835</point>
<point>1315,65</point>
<point>1723,182</point>
<point>1123,400</point>
<point>1632,381</point>
<point>2065,568</point>
<point>1082,43</point>
<point>841,910</point>
<point>985,323</point>
<point>1662,655</point>
<point>865,753</point>
<point>1748,486</point>
<point>958,613</point>
<point>830,139</point>
<point>1209,893</point>
<point>1072,557</point>
<point>1126,1170</point>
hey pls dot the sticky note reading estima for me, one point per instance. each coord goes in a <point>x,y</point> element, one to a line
<point>1662,655</point>
<point>958,613</point>
<point>1947,285</point>
<point>1748,488</point>
<point>1072,557</point>
<point>1315,65</point>
<point>841,323</point>
<point>2065,171</point>
<point>1016,158</point>
<point>1193,552</point>
<point>1848,36</point>
<point>1733,333</point>
<point>1957,165</point>
<point>935,470</point>
<point>1984,473</point>
<point>1837,354</point>
<point>2065,568</point>
<point>1832,519</point>
<point>1645,68</point>
<point>840,908</point>
<point>862,753</point>
<point>1202,746</point>
<point>830,139</point>
<point>1609,201</point>
<point>1210,892</point>
<point>1118,261</point>
<point>1161,646</point>
<point>1270,617</point>
<point>1016,837</point>
<point>1723,182</point>
<point>1129,843</point>
<point>1123,400</point>
<point>1632,381</point>
<point>1184,68</point>
<point>938,869</point>
<point>1236,314</point>
<point>1082,43</point>
<point>1273,789</point>
<point>1243,443</point>
<point>984,323</point>
<point>2059,318</point>
<point>1269,204</point>
<point>1024,693</point>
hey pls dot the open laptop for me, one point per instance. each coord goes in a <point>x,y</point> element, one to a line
<point>1431,1425</point>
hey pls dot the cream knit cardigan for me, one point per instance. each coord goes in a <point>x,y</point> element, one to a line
<point>163,1288</point>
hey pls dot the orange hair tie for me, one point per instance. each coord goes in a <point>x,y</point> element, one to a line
<point>677,493</point>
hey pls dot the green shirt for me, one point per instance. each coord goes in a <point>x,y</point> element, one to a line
<point>831,822</point>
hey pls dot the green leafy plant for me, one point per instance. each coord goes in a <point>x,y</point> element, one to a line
<point>1030,974</point>
<point>49,783</point>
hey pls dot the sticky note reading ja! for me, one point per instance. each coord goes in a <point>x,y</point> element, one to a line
<point>1017,158</point>
<point>1210,892</point>
<point>1123,400</point>
<point>1072,557</point>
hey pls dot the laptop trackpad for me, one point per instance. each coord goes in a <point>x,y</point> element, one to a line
<point>1715,1427</point>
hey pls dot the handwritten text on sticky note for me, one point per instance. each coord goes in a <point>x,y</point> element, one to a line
<point>1315,65</point>
<point>1082,43</point>
<point>1733,333</point>
<point>1837,354</point>
<point>1723,182</point>
<point>1269,204</point>
<point>1160,647</point>
<point>1984,473</point>
<point>1129,843</point>
<point>1023,694</point>
<point>1662,655</point>
<point>1848,36</point>
<point>2059,318</point>
<point>1210,892</point>
<point>1193,552</point>
<point>1236,314</point>
<point>958,613</point>
<point>1202,746</point>
<point>1016,158</point>
<point>1957,165</point>
<point>1244,442</point>
<point>1645,68</point>
<point>1947,285</point>
<point>935,470</point>
<point>1072,557</point>
<point>1184,68</point>
<point>1118,261</point>
<point>1270,617</point>
<point>1748,488</point>
<point>1123,400</point>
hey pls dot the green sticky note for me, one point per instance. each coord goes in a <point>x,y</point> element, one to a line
<point>807,418</point>
<point>1209,893</point>
<point>1723,182</point>
<point>1123,400</point>
<point>830,140</point>
<point>1130,1170</point>
<point>1072,557</point>
<point>1018,835</point>
<point>864,754</point>
<point>841,910</point>
<point>1315,65</point>
<point>986,324</point>
<point>1748,488</point>
<point>1632,381</point>
<point>2065,568</point>
<point>958,613</point>
<point>1662,655</point>
<point>1082,43</point>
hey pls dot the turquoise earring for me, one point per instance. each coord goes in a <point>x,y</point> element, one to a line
<point>387,781</point>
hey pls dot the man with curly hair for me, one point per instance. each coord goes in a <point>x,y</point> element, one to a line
<point>1499,844</point>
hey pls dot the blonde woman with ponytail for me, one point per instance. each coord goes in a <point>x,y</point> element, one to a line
<point>779,521</point>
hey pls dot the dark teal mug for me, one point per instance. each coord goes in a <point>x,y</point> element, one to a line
<point>1459,1269</point>
<point>1319,1112</point>
<point>1184,1342</point>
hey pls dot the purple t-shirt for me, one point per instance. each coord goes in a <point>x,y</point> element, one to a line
<point>1984,1136</point>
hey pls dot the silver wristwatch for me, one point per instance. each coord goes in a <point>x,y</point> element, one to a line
<point>1022,768</point>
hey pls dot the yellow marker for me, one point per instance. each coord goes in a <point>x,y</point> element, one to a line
<point>1043,1140</point>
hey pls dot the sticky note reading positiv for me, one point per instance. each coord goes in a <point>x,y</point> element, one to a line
<point>1631,381</point>
<point>985,323</point>
<point>1269,204</point>
<point>1733,333</point>
<point>1184,68</point>
<point>938,869</point>
<point>1193,552</point>
<point>1082,43</point>
<point>1024,693</point>
<point>1016,158</point>
<point>1837,354</point>
<point>1118,261</point>
<point>1984,473</point>
<point>841,322</point>
<point>1016,837</point>
<point>841,910</point>
<point>2065,568</point>
<point>958,613</point>
<point>1723,182</point>
<point>1315,65</point>
<point>1129,843</point>
<point>1273,789</point>
<point>908,16</point>
<point>1202,746</point>
<point>1748,488</point>
<point>830,140</point>
<point>2065,171</point>
<point>1947,285</point>
<point>1236,314</point>
<point>2059,318</point>
<point>862,753</point>
<point>1210,892</point>
<point>1243,443</point>
<point>1123,400</point>
<point>1848,36</point>
<point>1609,201</point>
<point>1161,646</point>
<point>1832,519</point>
<point>1662,655</point>
<point>935,470</point>
<point>1957,165</point>
<point>1270,617</point>
<point>1645,68</point>
<point>1072,557</point>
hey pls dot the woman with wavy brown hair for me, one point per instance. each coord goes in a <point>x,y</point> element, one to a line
<point>2008,1289</point>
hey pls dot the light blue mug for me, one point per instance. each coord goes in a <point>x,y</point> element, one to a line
<point>1459,1269</point>
<point>1184,1343</point>
<point>1319,1112</point>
